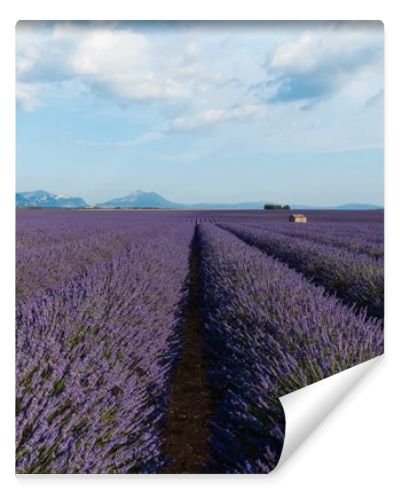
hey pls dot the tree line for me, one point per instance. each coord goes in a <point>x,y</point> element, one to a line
<point>273,206</point>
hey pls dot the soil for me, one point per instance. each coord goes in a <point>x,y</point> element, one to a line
<point>189,403</point>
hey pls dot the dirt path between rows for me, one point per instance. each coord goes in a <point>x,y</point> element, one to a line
<point>189,403</point>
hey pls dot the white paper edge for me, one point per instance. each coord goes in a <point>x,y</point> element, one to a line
<point>307,408</point>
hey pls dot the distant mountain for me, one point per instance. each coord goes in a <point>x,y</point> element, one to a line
<point>347,206</point>
<point>43,199</point>
<point>140,199</point>
<point>250,205</point>
<point>358,206</point>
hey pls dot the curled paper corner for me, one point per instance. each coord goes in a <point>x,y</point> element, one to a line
<point>308,407</point>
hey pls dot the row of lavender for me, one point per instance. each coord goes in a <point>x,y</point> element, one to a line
<point>360,232</point>
<point>368,239</point>
<point>99,300</point>
<point>338,217</point>
<point>269,331</point>
<point>95,348</point>
<point>357,278</point>
<point>54,245</point>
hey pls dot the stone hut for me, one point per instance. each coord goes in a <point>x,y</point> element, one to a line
<point>298,218</point>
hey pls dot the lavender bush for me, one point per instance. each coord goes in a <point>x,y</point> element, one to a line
<point>93,360</point>
<point>101,296</point>
<point>367,240</point>
<point>269,332</point>
<point>356,279</point>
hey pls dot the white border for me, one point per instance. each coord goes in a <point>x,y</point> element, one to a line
<point>354,453</point>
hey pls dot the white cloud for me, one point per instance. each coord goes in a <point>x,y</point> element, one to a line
<point>198,79</point>
<point>211,117</point>
<point>136,141</point>
<point>183,68</point>
<point>101,50</point>
<point>297,55</point>
<point>118,62</point>
<point>338,47</point>
<point>321,61</point>
<point>122,62</point>
<point>27,95</point>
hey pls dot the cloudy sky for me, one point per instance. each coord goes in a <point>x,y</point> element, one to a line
<point>284,112</point>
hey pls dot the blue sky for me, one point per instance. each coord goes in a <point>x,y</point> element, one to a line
<point>267,111</point>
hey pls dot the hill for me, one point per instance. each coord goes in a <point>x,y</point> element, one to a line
<point>44,199</point>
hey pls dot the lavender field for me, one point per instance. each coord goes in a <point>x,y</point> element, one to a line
<point>159,341</point>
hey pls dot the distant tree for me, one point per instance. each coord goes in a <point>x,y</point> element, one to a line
<point>274,206</point>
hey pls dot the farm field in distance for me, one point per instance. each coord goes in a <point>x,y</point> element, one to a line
<point>160,341</point>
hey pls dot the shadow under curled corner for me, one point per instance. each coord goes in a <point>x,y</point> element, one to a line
<point>308,407</point>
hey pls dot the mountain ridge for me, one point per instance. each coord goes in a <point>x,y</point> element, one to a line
<point>151,199</point>
<point>44,199</point>
<point>140,199</point>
